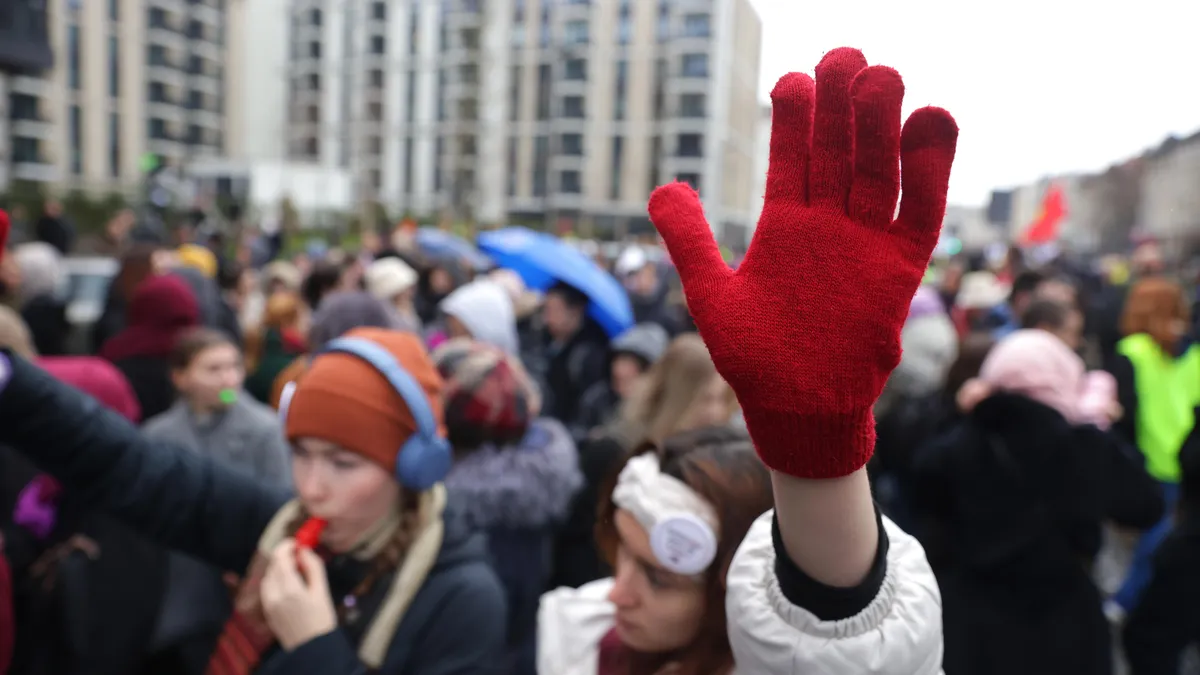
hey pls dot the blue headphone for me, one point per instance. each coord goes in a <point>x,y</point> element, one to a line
<point>425,458</point>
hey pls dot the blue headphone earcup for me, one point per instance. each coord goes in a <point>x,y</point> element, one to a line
<point>423,462</point>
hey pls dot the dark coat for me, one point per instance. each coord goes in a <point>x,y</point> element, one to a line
<point>193,504</point>
<point>1012,501</point>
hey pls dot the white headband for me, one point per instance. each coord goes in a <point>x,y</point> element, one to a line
<point>682,524</point>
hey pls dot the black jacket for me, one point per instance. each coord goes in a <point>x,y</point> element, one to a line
<point>193,504</point>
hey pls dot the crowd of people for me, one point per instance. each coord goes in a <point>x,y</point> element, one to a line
<point>836,458</point>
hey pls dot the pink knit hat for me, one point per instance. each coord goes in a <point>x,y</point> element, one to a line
<point>1038,365</point>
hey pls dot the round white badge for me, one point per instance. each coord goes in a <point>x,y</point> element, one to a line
<point>684,544</point>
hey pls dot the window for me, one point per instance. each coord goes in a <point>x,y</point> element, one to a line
<point>518,33</point>
<point>614,183</point>
<point>158,18</point>
<point>512,163</point>
<point>514,94</point>
<point>624,28</point>
<point>195,99</point>
<point>573,107</point>
<point>695,65</point>
<point>114,67</point>
<point>543,102</point>
<point>541,163</point>
<point>664,22</point>
<point>544,39</point>
<point>195,135</point>
<point>376,77</point>
<point>114,145</point>
<point>378,46</point>
<point>576,69</point>
<point>691,105</point>
<point>158,128</point>
<point>691,145</point>
<point>414,24</point>
<point>73,56</point>
<point>575,32</point>
<point>314,50</point>
<point>379,10</point>
<point>410,103</point>
<point>114,10</point>
<point>26,150</point>
<point>696,25</point>
<point>314,16</point>
<point>23,107</point>
<point>619,99</point>
<point>571,144</point>
<point>692,179</point>
<point>408,165</point>
<point>439,147</point>
<point>76,131</point>
<point>569,183</point>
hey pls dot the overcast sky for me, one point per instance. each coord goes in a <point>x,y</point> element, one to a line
<point>1037,87</point>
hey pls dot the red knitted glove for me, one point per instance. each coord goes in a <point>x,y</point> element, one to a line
<point>807,329</point>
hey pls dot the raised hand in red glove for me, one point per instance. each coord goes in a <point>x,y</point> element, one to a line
<point>807,330</point>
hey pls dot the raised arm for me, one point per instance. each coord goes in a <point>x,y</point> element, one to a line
<point>807,330</point>
<point>180,499</point>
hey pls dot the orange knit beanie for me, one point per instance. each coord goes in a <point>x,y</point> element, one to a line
<point>344,400</point>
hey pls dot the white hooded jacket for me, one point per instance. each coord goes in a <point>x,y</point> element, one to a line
<point>899,633</point>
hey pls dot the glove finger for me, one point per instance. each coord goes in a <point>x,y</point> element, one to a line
<point>678,216</point>
<point>833,142</point>
<point>792,103</point>
<point>877,94</point>
<point>927,147</point>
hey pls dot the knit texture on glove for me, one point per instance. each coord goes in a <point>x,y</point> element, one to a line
<point>807,330</point>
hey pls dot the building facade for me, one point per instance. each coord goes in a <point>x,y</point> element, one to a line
<point>561,113</point>
<point>129,77</point>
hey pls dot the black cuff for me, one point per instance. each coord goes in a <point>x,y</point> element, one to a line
<point>829,603</point>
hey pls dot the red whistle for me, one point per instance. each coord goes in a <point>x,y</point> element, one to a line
<point>309,533</point>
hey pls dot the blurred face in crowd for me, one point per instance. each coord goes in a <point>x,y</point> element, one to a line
<point>644,281</point>
<point>626,370</point>
<point>349,491</point>
<point>657,610</point>
<point>561,319</point>
<point>211,371</point>
<point>1071,332</point>
<point>440,281</point>
<point>713,406</point>
<point>1057,291</point>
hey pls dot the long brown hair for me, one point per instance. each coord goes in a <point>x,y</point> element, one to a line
<point>137,264</point>
<point>282,312</point>
<point>719,463</point>
<point>666,392</point>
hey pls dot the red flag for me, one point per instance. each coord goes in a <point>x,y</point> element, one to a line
<point>1044,228</point>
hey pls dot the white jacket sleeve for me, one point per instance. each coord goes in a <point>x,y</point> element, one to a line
<point>899,633</point>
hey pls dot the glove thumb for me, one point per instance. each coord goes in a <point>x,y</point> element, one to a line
<point>678,216</point>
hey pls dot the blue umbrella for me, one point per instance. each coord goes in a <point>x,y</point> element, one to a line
<point>541,260</point>
<point>441,244</point>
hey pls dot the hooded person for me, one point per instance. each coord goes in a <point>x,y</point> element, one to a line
<point>482,310</point>
<point>162,307</point>
<point>631,355</point>
<point>515,470</point>
<point>398,583</point>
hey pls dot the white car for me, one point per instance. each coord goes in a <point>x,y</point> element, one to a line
<point>85,289</point>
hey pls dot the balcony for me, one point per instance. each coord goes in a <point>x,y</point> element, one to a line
<point>160,35</point>
<point>173,6</point>
<point>34,169</point>
<point>33,86</point>
<point>28,128</point>
<point>208,84</point>
<point>207,49</point>
<point>166,74</point>
<point>166,111</point>
<point>206,13</point>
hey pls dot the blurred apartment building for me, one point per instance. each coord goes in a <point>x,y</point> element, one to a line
<point>560,112</point>
<point>127,77</point>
